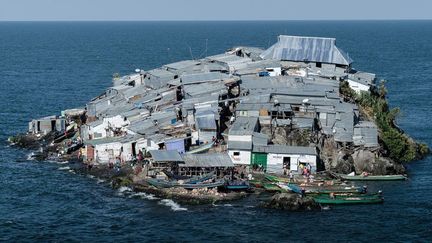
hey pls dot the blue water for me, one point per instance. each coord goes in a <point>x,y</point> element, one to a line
<point>47,67</point>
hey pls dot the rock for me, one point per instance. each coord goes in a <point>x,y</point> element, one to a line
<point>367,161</point>
<point>291,202</point>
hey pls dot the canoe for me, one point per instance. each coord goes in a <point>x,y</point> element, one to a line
<point>272,187</point>
<point>237,185</point>
<point>318,190</point>
<point>169,184</point>
<point>202,185</point>
<point>349,200</point>
<point>373,177</point>
<point>160,183</point>
<point>201,149</point>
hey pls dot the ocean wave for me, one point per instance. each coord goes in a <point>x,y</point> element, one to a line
<point>64,168</point>
<point>173,205</point>
<point>144,195</point>
<point>123,190</point>
<point>30,156</point>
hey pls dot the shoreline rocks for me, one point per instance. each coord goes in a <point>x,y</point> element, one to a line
<point>291,202</point>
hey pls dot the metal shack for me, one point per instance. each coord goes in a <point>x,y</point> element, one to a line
<point>47,124</point>
<point>277,158</point>
<point>199,164</point>
<point>166,160</point>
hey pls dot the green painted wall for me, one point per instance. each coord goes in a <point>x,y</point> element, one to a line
<point>259,159</point>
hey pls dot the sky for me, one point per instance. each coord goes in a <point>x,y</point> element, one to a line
<point>130,10</point>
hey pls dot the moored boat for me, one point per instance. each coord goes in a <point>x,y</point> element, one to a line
<point>356,199</point>
<point>372,177</point>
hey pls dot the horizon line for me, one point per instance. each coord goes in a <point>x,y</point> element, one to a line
<point>210,20</point>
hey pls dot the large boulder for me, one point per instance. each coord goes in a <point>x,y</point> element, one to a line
<point>291,202</point>
<point>367,161</point>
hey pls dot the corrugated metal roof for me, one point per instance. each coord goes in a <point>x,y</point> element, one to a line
<point>203,77</point>
<point>239,145</point>
<point>366,134</point>
<point>312,49</point>
<point>243,125</point>
<point>207,160</point>
<point>166,156</point>
<point>282,149</point>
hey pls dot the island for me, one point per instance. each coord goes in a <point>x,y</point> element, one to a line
<point>294,118</point>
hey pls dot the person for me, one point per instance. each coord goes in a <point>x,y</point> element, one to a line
<point>332,195</point>
<point>250,176</point>
<point>291,176</point>
<point>303,192</point>
<point>140,155</point>
<point>364,189</point>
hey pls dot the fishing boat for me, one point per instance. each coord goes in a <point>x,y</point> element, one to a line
<point>201,149</point>
<point>358,199</point>
<point>256,183</point>
<point>160,183</point>
<point>272,187</point>
<point>372,177</point>
<point>237,185</point>
<point>214,184</point>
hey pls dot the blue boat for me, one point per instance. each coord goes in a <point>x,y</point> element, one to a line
<point>237,185</point>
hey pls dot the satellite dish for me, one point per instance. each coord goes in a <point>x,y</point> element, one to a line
<point>137,70</point>
<point>306,100</point>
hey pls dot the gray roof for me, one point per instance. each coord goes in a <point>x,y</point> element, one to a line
<point>207,160</point>
<point>203,77</point>
<point>166,156</point>
<point>239,145</point>
<point>244,126</point>
<point>282,149</point>
<point>312,49</point>
<point>366,134</point>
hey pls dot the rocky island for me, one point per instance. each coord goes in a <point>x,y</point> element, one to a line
<point>211,129</point>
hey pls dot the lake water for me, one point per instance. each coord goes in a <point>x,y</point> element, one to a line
<point>48,67</point>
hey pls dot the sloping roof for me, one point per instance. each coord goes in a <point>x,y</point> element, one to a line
<point>282,149</point>
<point>203,77</point>
<point>166,156</point>
<point>312,49</point>
<point>365,133</point>
<point>207,160</point>
<point>244,126</point>
<point>239,145</point>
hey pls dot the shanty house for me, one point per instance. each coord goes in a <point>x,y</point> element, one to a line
<point>280,158</point>
<point>166,159</point>
<point>240,139</point>
<point>199,164</point>
<point>47,124</point>
<point>317,50</point>
<point>365,134</point>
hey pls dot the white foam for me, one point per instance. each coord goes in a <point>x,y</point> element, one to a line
<point>61,162</point>
<point>144,195</point>
<point>91,176</point>
<point>173,205</point>
<point>124,189</point>
<point>64,168</point>
<point>99,181</point>
<point>30,156</point>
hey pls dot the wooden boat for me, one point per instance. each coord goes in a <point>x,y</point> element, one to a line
<point>160,183</point>
<point>214,184</point>
<point>358,199</point>
<point>169,184</point>
<point>318,190</point>
<point>372,177</point>
<point>237,185</point>
<point>272,187</point>
<point>256,183</point>
<point>201,149</point>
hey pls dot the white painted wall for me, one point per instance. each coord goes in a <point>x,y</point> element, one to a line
<point>243,158</point>
<point>275,162</point>
<point>358,87</point>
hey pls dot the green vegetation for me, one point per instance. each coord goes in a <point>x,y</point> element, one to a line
<point>400,147</point>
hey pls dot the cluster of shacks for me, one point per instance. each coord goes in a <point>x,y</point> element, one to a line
<point>235,104</point>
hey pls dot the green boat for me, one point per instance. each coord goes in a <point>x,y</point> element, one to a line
<point>272,187</point>
<point>372,177</point>
<point>357,199</point>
